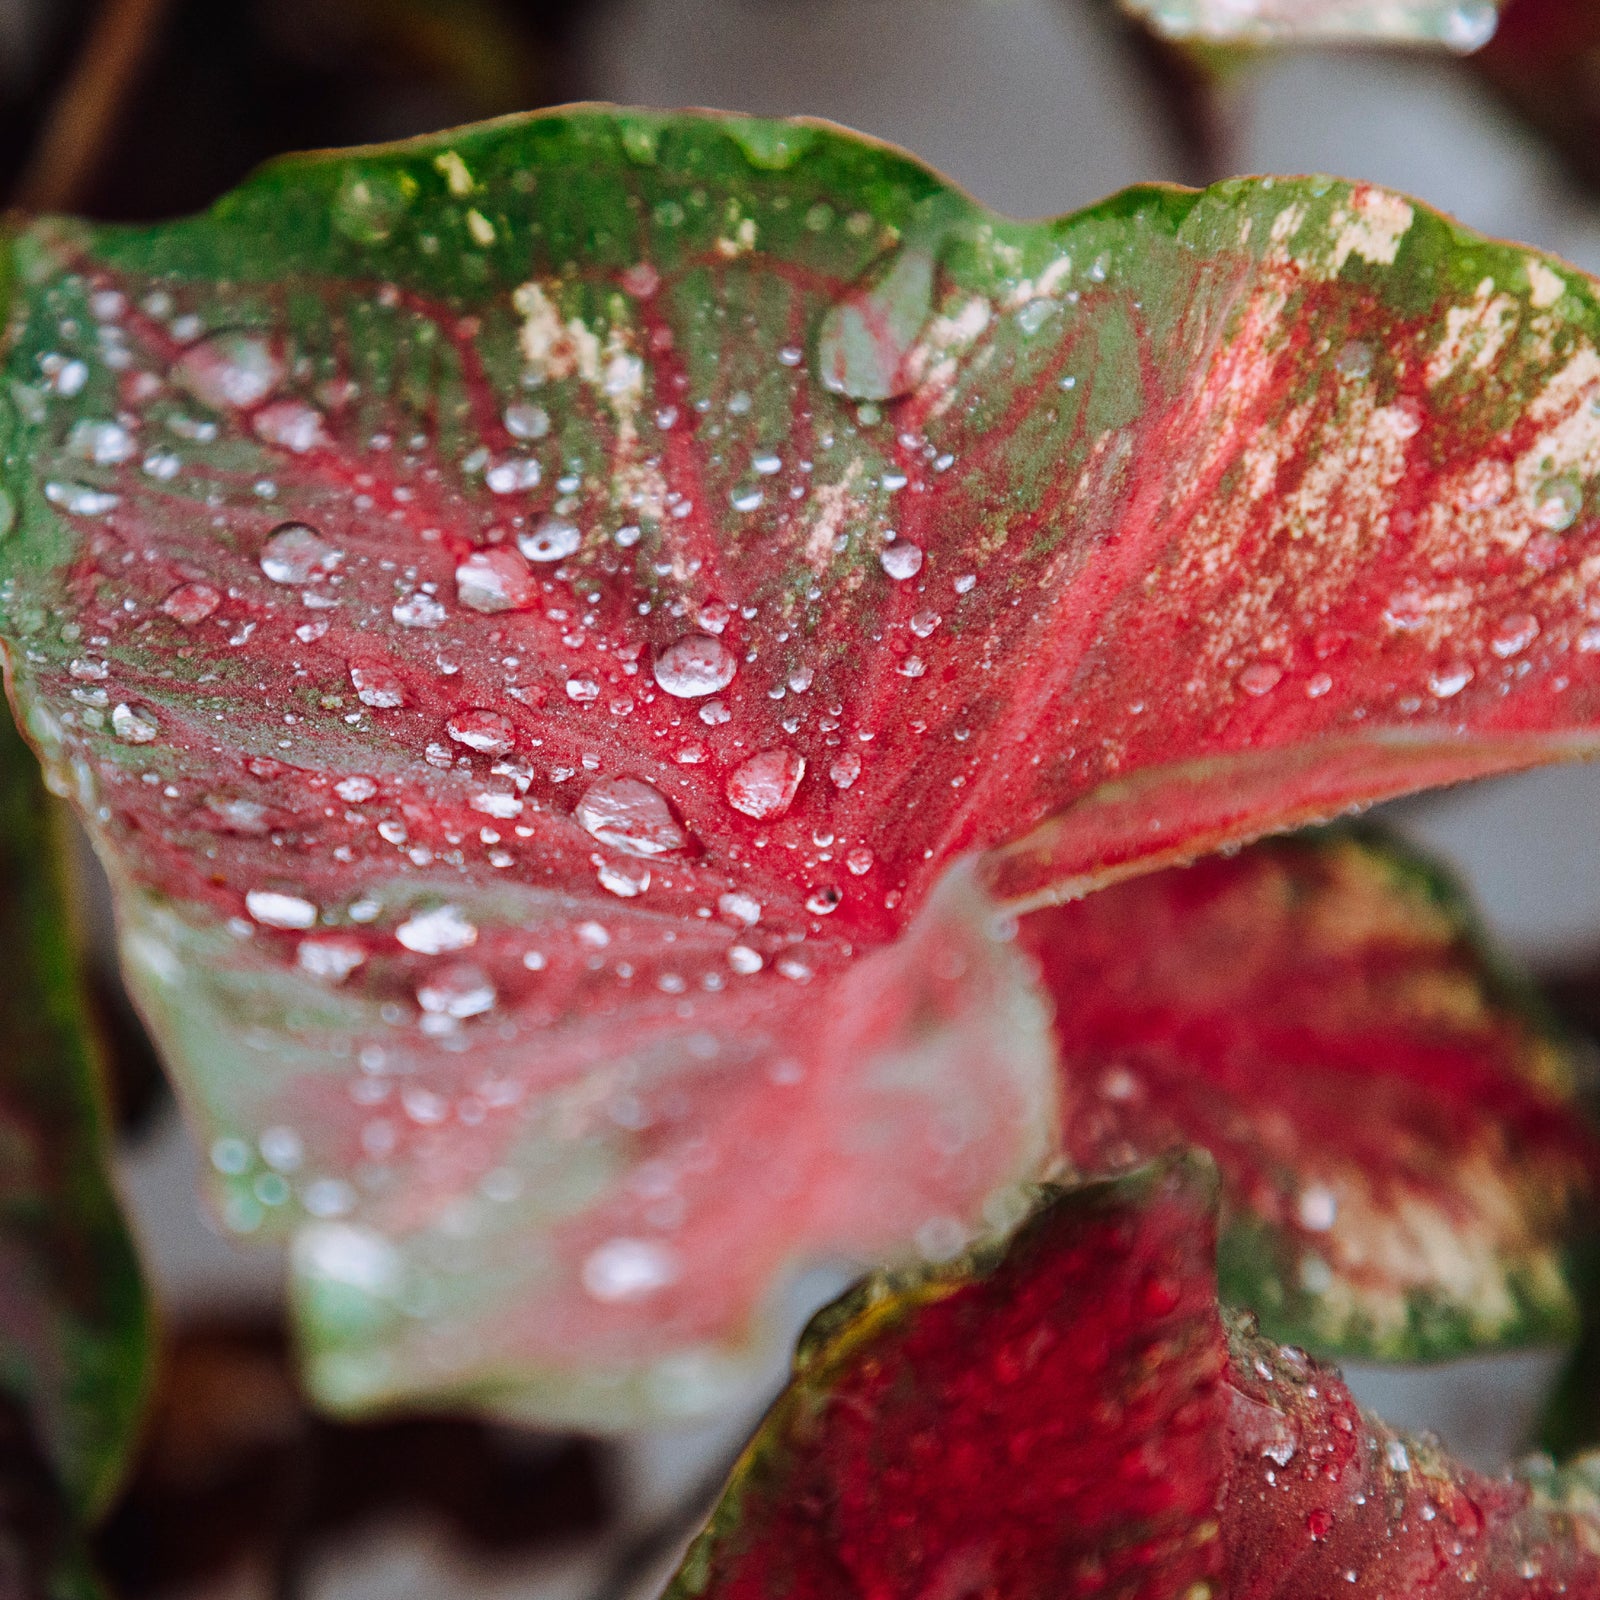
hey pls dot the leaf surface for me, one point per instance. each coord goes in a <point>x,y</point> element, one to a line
<point>1462,25</point>
<point>1080,1417</point>
<point>558,829</point>
<point>73,1318</point>
<point>1404,1163</point>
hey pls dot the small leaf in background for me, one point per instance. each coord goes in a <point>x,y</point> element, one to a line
<point>73,1319</point>
<point>540,621</point>
<point>1404,1162</point>
<point>1462,25</point>
<point>1079,1416</point>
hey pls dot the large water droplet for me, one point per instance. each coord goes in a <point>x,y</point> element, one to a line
<point>496,580</point>
<point>437,932</point>
<point>136,727</point>
<point>632,815</point>
<point>486,731</point>
<point>191,603</point>
<point>625,879</point>
<point>419,611</point>
<point>765,785</point>
<point>553,540</point>
<point>296,553</point>
<point>696,665</point>
<point>867,336</point>
<point>229,370</point>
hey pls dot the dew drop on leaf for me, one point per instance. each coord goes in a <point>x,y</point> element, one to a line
<point>626,1269</point>
<point>488,732</point>
<point>1556,504</point>
<point>419,611</point>
<point>901,560</point>
<point>631,815</point>
<point>437,932</point>
<point>696,665</point>
<point>495,580</point>
<point>765,785</point>
<point>191,603</point>
<point>136,727</point>
<point>625,879</point>
<point>524,420</point>
<point>460,990</point>
<point>845,769</point>
<point>231,370</point>
<point>378,686</point>
<point>553,540</point>
<point>296,553</point>
<point>1513,634</point>
<point>290,424</point>
<point>274,910</point>
<point>332,959</point>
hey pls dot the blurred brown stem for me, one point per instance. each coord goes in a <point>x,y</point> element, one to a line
<point>84,116</point>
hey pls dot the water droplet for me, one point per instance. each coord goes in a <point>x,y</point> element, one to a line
<point>108,444</point>
<point>770,146</point>
<point>924,623</point>
<point>824,902</point>
<point>459,990</point>
<point>512,474</point>
<point>296,553</point>
<point>332,959</point>
<point>631,815</point>
<point>696,665</point>
<point>291,425</point>
<point>371,204</point>
<point>524,420</point>
<point>628,1269</point>
<point>419,611</point>
<point>1317,1208</point>
<point>378,686</point>
<point>81,499</point>
<point>137,727</point>
<point>274,910</point>
<point>585,691</point>
<point>1449,681</point>
<point>229,371</point>
<point>1556,503</point>
<point>485,731</point>
<point>1319,1523</point>
<point>1354,359</point>
<point>740,907</point>
<point>746,499</point>
<point>495,580</point>
<point>191,603</point>
<point>901,560</point>
<point>765,785</point>
<point>1260,677</point>
<point>623,878</point>
<point>437,932</point>
<point>859,860</point>
<point>743,959</point>
<point>1514,634</point>
<point>553,540</point>
<point>866,337</point>
<point>1470,25</point>
<point>1395,1453</point>
<point>845,769</point>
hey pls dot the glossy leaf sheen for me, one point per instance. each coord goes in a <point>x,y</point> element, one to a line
<point>1403,1162</point>
<point>73,1319</point>
<point>366,526</point>
<point>1078,1417</point>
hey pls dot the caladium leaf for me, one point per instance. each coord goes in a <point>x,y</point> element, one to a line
<point>544,622</point>
<point>1404,1164</point>
<point>1462,25</point>
<point>74,1329</point>
<point>1079,1416</point>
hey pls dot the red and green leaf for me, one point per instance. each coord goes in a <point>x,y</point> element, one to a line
<point>1076,1415</point>
<point>541,620</point>
<point>1404,1165</point>
<point>1457,24</point>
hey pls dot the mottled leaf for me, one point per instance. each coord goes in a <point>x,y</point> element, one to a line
<point>1404,1165</point>
<point>1078,1417</point>
<point>73,1319</point>
<point>1457,24</point>
<point>541,622</point>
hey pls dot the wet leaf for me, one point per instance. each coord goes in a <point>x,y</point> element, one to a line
<point>1404,1164</point>
<point>1078,1416</point>
<point>1462,25</point>
<point>73,1319</point>
<point>541,660</point>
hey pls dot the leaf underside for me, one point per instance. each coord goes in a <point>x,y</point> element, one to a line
<point>557,828</point>
<point>1404,1163</point>
<point>1078,1416</point>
